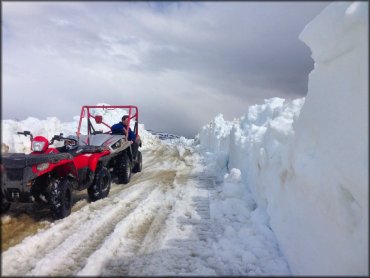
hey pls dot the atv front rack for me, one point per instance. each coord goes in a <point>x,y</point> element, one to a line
<point>21,160</point>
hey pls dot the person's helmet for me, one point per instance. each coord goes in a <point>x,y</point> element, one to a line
<point>72,143</point>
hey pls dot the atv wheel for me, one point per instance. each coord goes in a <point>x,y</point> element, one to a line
<point>5,205</point>
<point>124,171</point>
<point>101,185</point>
<point>139,163</point>
<point>60,198</point>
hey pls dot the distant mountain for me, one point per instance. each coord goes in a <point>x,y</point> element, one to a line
<point>164,135</point>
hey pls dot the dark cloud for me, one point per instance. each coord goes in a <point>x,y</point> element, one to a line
<point>181,62</point>
<point>255,44</point>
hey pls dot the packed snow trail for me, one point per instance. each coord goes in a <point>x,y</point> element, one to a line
<point>158,224</point>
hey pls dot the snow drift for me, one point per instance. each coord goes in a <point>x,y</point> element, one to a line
<point>306,161</point>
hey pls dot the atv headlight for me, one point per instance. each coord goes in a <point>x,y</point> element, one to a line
<point>37,146</point>
<point>42,166</point>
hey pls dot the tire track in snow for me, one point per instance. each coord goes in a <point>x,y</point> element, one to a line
<point>89,237</point>
<point>145,221</point>
<point>142,254</point>
<point>193,254</point>
<point>34,250</point>
<point>150,225</point>
<point>143,238</point>
<point>141,232</point>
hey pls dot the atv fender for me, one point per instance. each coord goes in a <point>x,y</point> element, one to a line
<point>94,159</point>
<point>61,167</point>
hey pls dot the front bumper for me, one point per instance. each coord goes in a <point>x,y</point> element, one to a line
<point>16,184</point>
<point>16,178</point>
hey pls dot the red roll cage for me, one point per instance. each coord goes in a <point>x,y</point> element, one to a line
<point>133,112</point>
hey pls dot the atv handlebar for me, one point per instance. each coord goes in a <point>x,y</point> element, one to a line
<point>25,133</point>
<point>61,138</point>
<point>55,137</point>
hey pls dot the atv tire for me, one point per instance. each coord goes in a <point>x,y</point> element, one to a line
<point>139,163</point>
<point>5,205</point>
<point>101,185</point>
<point>60,198</point>
<point>124,171</point>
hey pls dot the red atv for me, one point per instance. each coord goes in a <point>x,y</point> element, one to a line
<point>86,161</point>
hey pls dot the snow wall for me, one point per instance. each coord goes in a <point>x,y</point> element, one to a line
<point>306,161</point>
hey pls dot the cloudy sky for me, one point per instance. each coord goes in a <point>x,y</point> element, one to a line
<point>181,63</point>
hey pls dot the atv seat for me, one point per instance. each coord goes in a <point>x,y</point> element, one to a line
<point>89,149</point>
<point>85,149</point>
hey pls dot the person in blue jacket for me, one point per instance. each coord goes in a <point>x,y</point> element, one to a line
<point>121,127</point>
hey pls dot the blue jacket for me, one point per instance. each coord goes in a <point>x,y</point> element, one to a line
<point>120,128</point>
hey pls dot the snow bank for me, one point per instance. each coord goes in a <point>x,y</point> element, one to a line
<point>306,161</point>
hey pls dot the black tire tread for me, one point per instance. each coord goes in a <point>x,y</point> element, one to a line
<point>97,190</point>
<point>138,166</point>
<point>124,171</point>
